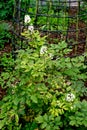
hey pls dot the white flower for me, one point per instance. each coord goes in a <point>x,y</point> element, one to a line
<point>70,97</point>
<point>27,19</point>
<point>43,49</point>
<point>31,28</point>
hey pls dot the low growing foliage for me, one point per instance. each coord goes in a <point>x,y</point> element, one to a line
<point>44,94</point>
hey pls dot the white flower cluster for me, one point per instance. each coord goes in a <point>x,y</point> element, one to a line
<point>27,20</point>
<point>31,28</point>
<point>43,50</point>
<point>70,97</point>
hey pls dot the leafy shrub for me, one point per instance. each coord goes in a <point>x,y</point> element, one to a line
<point>44,94</point>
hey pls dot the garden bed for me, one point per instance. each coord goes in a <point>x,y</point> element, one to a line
<point>45,91</point>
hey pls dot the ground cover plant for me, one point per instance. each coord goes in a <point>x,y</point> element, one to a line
<point>43,88</point>
<point>46,88</point>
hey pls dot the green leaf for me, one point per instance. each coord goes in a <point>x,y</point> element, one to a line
<point>45,117</point>
<point>16,118</point>
<point>34,99</point>
<point>84,122</point>
<point>44,125</point>
<point>39,119</point>
<point>49,127</point>
<point>72,123</point>
<point>16,101</point>
<point>2,123</point>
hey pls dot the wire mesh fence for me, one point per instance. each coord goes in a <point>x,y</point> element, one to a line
<point>58,19</point>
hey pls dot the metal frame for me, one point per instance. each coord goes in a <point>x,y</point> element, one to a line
<point>49,10</point>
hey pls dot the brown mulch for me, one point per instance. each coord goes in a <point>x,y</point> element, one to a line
<point>7,49</point>
<point>2,92</point>
<point>75,40</point>
<point>78,42</point>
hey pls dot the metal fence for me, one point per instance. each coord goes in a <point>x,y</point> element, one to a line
<point>59,19</point>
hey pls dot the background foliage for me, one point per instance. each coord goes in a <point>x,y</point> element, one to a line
<point>6,9</point>
<point>5,34</point>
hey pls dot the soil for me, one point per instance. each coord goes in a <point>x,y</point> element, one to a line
<point>75,41</point>
<point>78,42</point>
<point>2,92</point>
<point>7,49</point>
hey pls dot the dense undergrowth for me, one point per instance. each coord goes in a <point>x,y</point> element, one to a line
<point>45,88</point>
